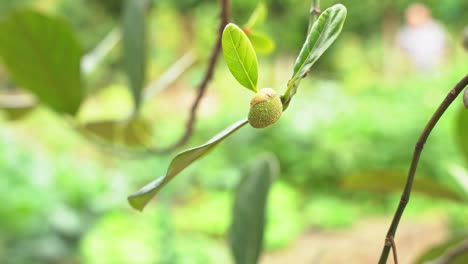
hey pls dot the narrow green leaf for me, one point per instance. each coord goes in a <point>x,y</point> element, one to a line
<point>461,131</point>
<point>323,33</point>
<point>240,56</point>
<point>258,16</point>
<point>134,46</point>
<point>392,181</point>
<point>134,133</point>
<point>436,253</point>
<point>248,222</point>
<point>42,55</point>
<point>261,42</point>
<point>139,199</point>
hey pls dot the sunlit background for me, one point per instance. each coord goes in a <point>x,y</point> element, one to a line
<point>344,144</point>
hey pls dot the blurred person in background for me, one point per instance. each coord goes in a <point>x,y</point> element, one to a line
<point>423,40</point>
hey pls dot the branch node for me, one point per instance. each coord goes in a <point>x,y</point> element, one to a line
<point>404,200</point>
<point>419,146</point>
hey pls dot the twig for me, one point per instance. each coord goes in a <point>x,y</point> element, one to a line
<point>170,75</point>
<point>90,60</point>
<point>314,12</point>
<point>391,243</point>
<point>414,163</point>
<point>224,20</point>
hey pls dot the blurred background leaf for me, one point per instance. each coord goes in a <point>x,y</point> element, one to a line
<point>132,133</point>
<point>248,216</point>
<point>15,105</point>
<point>261,42</point>
<point>388,181</point>
<point>134,46</point>
<point>42,54</point>
<point>258,15</point>
<point>438,251</point>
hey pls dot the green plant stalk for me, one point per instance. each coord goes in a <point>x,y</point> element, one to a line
<point>286,97</point>
<point>414,164</point>
<point>314,12</point>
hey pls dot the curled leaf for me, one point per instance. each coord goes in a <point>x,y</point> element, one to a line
<point>181,161</point>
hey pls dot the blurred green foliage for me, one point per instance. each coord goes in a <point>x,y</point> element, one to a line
<point>63,199</point>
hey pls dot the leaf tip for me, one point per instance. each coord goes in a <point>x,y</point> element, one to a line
<point>135,203</point>
<point>230,26</point>
<point>341,8</point>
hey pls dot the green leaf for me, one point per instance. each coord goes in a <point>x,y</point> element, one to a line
<point>181,161</point>
<point>43,55</point>
<point>248,222</point>
<point>439,250</point>
<point>134,133</point>
<point>134,46</point>
<point>461,131</point>
<point>261,42</point>
<point>393,181</point>
<point>258,16</point>
<point>323,33</point>
<point>240,56</point>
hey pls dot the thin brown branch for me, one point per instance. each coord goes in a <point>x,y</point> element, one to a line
<point>390,242</point>
<point>224,17</point>
<point>414,163</point>
<point>224,20</point>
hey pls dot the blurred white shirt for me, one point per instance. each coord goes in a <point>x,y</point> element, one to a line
<point>425,45</point>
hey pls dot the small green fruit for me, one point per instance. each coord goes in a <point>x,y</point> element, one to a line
<point>265,108</point>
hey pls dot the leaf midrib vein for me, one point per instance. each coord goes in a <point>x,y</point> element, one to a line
<point>310,51</point>
<point>239,59</point>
